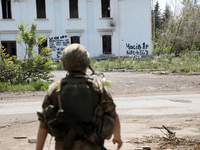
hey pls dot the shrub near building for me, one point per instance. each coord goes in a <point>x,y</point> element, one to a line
<point>33,67</point>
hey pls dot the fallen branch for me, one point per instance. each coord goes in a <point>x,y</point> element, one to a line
<point>170,138</point>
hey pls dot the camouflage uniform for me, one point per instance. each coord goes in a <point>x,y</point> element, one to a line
<point>106,101</point>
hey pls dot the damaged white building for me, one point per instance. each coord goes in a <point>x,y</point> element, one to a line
<point>108,28</point>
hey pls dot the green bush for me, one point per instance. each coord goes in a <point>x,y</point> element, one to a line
<point>3,87</point>
<point>40,86</point>
<point>33,67</point>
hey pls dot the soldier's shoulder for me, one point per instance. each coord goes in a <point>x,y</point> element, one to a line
<point>53,87</point>
<point>97,85</point>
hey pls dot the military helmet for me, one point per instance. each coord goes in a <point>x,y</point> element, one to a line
<point>75,57</point>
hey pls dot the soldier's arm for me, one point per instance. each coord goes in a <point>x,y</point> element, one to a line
<point>117,133</point>
<point>43,131</point>
<point>41,137</point>
<point>110,107</point>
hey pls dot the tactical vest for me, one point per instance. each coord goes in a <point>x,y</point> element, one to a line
<point>78,98</point>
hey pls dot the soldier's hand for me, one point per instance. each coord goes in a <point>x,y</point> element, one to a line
<point>118,141</point>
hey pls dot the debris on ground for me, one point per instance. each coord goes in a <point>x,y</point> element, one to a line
<point>32,141</point>
<point>20,137</point>
<point>168,141</point>
<point>143,148</point>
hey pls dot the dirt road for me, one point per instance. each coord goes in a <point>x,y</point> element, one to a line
<point>137,129</point>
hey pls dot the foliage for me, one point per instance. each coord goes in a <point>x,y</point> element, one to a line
<point>33,67</point>
<point>40,86</point>
<point>158,20</point>
<point>4,86</point>
<point>188,62</point>
<point>166,14</point>
<point>107,84</point>
<point>177,30</point>
<point>33,86</point>
<point>157,14</point>
<point>59,66</point>
<point>8,70</point>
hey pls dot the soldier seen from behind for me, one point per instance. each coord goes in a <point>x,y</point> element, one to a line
<point>78,110</point>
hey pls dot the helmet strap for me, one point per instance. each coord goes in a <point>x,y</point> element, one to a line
<point>93,72</point>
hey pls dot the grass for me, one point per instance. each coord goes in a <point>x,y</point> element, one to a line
<point>187,63</point>
<point>33,86</point>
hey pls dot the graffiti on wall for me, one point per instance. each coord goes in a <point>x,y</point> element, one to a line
<point>137,51</point>
<point>58,43</point>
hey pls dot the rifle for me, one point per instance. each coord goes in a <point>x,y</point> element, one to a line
<point>76,129</point>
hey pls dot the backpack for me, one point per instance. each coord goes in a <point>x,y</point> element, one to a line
<point>78,99</point>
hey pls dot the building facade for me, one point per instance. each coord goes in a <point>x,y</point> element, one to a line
<point>106,27</point>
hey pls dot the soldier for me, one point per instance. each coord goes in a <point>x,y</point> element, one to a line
<point>83,102</point>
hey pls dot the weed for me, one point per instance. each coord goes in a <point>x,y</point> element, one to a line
<point>107,84</point>
<point>59,66</point>
<point>189,74</point>
<point>4,87</point>
<point>187,62</point>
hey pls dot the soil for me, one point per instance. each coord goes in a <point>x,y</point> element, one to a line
<point>137,131</point>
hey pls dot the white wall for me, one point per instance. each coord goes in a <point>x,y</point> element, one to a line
<point>135,25</point>
<point>131,20</point>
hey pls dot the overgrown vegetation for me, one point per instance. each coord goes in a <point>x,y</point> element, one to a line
<point>177,30</point>
<point>188,62</point>
<point>30,70</point>
<point>33,86</point>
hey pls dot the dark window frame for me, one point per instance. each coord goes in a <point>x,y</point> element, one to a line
<point>9,46</point>
<point>105,8</point>
<point>41,9</point>
<point>107,44</point>
<point>73,9</point>
<point>75,39</point>
<point>6,9</point>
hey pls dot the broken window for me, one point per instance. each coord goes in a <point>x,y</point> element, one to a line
<point>73,8</point>
<point>6,9</point>
<point>105,8</point>
<point>106,40</point>
<point>44,44</point>
<point>75,39</point>
<point>10,47</point>
<point>41,8</point>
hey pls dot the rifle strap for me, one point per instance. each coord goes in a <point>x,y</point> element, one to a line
<point>58,93</point>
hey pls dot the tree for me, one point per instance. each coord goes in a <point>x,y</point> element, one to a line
<point>180,29</point>
<point>166,14</point>
<point>157,14</point>
<point>158,20</point>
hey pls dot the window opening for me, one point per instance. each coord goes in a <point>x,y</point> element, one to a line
<point>44,44</point>
<point>106,40</point>
<point>73,8</point>
<point>10,47</point>
<point>105,8</point>
<point>6,9</point>
<point>75,39</point>
<point>41,8</point>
